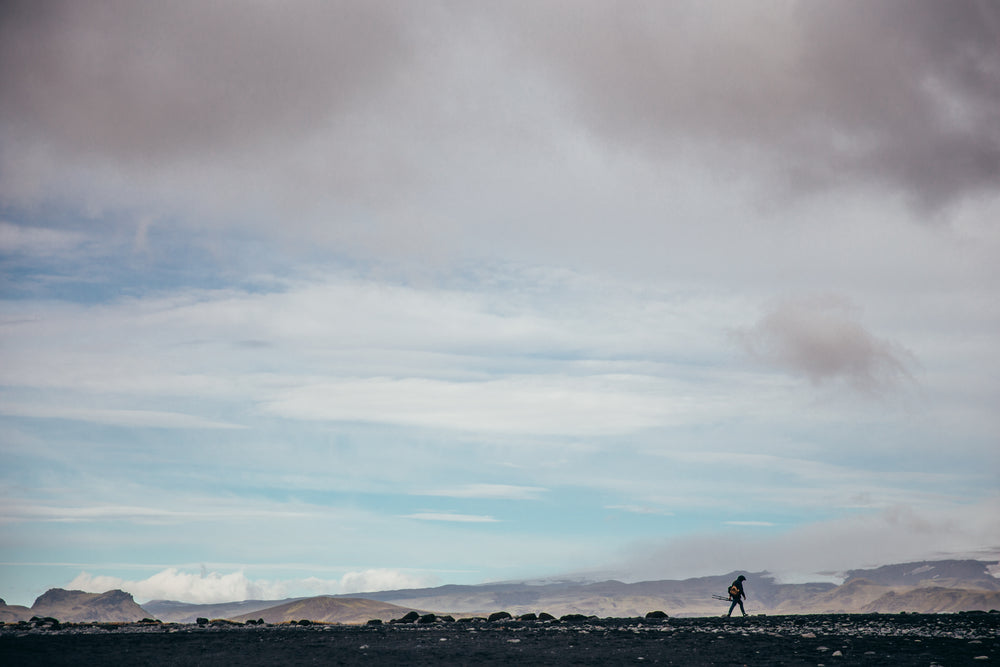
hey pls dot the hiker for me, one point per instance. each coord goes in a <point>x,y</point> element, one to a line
<point>737,595</point>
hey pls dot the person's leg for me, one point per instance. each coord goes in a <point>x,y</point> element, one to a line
<point>733,606</point>
<point>741,606</point>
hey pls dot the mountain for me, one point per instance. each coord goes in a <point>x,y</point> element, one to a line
<point>850,597</point>
<point>950,585</point>
<point>328,609</point>
<point>925,587</point>
<point>76,606</point>
<point>972,574</point>
<point>689,597</point>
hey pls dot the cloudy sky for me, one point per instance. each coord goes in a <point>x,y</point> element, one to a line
<point>324,297</point>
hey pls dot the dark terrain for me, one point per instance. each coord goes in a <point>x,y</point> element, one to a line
<point>844,639</point>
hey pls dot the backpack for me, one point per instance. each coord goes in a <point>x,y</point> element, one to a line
<point>734,591</point>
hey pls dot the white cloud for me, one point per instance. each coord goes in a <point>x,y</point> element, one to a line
<point>752,524</point>
<point>214,587</point>
<point>37,241</point>
<point>16,511</point>
<point>640,509</point>
<point>550,404</point>
<point>490,491</point>
<point>383,580</point>
<point>172,584</point>
<point>450,517</point>
<point>134,418</point>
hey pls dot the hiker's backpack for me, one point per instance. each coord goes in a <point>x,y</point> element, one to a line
<point>734,591</point>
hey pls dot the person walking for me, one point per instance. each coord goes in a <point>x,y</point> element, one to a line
<point>737,595</point>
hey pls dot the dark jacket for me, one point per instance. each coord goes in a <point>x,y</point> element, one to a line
<point>739,584</point>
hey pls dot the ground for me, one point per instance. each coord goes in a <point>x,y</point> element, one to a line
<point>869,639</point>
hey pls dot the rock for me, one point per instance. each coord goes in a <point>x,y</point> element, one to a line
<point>201,620</point>
<point>528,617</point>
<point>408,618</point>
<point>573,618</point>
<point>546,617</point>
<point>374,621</point>
<point>498,616</point>
<point>656,614</point>
<point>427,618</point>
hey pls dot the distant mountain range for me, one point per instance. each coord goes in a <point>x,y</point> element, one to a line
<point>922,587</point>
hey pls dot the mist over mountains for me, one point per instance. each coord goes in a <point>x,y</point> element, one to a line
<point>921,587</point>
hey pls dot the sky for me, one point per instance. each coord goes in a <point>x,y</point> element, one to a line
<point>329,297</point>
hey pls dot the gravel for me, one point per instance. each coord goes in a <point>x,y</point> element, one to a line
<point>847,639</point>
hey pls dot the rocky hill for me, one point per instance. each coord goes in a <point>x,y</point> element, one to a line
<point>76,607</point>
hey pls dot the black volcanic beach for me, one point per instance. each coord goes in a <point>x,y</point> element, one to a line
<point>846,639</point>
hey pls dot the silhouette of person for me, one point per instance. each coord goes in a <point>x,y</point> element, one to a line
<point>737,595</point>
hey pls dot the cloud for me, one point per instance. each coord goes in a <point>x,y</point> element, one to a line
<point>821,339</point>
<point>752,524</point>
<point>640,509</point>
<point>130,418</point>
<point>38,241</point>
<point>172,584</point>
<point>488,491</point>
<point>383,580</point>
<point>521,404</point>
<point>213,587</point>
<point>903,94</point>
<point>450,517</point>
<point>188,80</point>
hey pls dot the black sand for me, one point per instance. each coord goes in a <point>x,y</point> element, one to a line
<point>903,639</point>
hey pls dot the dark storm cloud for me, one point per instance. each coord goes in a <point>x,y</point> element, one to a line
<point>821,339</point>
<point>150,81</point>
<point>892,92</point>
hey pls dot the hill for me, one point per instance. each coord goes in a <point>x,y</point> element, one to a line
<point>933,599</point>
<point>328,609</point>
<point>77,607</point>
<point>14,612</point>
<point>170,611</point>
